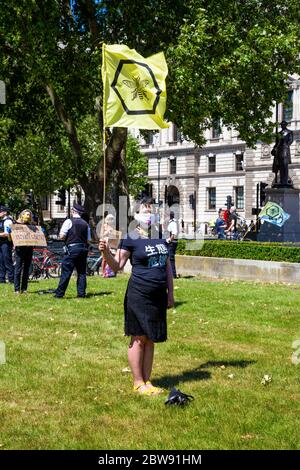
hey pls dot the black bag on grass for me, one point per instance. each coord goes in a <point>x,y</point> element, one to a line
<point>176,397</point>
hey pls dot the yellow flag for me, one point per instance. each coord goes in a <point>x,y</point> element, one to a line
<point>134,88</point>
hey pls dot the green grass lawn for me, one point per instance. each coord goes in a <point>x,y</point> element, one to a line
<point>63,385</point>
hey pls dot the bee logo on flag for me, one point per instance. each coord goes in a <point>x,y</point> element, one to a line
<point>138,88</point>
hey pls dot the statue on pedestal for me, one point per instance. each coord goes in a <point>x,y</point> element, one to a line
<point>282,156</point>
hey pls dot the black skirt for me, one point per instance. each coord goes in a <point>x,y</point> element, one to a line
<point>146,312</point>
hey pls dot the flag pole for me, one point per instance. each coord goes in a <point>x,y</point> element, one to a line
<point>104,135</point>
<point>104,173</point>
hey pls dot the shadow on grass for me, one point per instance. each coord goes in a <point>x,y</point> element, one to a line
<point>178,303</point>
<point>52,292</point>
<point>241,364</point>
<point>43,292</point>
<point>89,295</point>
<point>97,294</point>
<point>169,381</point>
<point>181,276</point>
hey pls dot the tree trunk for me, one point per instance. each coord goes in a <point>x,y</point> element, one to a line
<point>119,184</point>
<point>115,164</point>
<point>115,160</point>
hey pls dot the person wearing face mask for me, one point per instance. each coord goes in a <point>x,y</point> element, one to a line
<point>23,257</point>
<point>149,293</point>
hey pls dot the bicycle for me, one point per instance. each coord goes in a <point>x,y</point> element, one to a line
<point>44,265</point>
<point>93,264</point>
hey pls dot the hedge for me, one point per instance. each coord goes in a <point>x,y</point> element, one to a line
<point>244,250</point>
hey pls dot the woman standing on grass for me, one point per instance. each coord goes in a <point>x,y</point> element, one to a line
<point>23,257</point>
<point>149,293</point>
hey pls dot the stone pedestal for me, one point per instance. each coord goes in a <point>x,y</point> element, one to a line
<point>288,199</point>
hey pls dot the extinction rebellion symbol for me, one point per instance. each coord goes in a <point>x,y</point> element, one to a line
<point>134,93</point>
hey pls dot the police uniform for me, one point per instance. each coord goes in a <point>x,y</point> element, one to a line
<point>75,233</point>
<point>6,263</point>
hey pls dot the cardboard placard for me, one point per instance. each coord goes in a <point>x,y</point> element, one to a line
<point>27,235</point>
<point>111,235</point>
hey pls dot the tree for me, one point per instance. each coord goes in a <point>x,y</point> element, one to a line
<point>231,62</point>
<point>53,49</point>
<point>228,60</point>
<point>136,166</point>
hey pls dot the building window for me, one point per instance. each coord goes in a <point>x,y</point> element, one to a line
<point>148,190</point>
<point>44,203</point>
<point>149,137</point>
<point>211,198</point>
<point>211,163</point>
<point>239,197</point>
<point>177,136</point>
<point>287,109</point>
<point>216,129</point>
<point>239,162</point>
<point>172,165</point>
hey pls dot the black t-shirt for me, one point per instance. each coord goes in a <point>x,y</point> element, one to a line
<point>233,217</point>
<point>148,258</point>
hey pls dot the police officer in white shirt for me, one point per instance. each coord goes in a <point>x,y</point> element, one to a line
<point>75,233</point>
<point>172,241</point>
<point>6,263</point>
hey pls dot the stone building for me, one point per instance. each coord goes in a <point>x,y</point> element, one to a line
<point>179,171</point>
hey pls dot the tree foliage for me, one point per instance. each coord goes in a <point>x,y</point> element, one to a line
<point>231,62</point>
<point>50,60</point>
<point>136,166</point>
<point>228,60</point>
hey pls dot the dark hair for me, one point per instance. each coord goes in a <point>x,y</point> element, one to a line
<point>147,200</point>
<point>172,215</point>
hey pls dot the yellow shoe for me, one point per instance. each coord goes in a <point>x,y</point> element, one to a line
<point>154,390</point>
<point>142,389</point>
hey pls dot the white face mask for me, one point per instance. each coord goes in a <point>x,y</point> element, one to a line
<point>145,219</point>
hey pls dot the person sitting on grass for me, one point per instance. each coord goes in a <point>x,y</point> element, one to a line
<point>149,293</point>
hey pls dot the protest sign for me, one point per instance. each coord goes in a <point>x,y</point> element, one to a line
<point>27,235</point>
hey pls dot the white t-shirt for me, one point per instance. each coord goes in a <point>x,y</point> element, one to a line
<point>7,224</point>
<point>173,228</point>
<point>65,228</point>
<point>68,224</point>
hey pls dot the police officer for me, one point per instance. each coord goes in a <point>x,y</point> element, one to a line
<point>74,232</point>
<point>6,263</point>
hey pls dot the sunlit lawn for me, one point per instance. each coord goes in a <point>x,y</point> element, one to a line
<point>64,386</point>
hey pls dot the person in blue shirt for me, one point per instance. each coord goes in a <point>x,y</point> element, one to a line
<point>149,293</point>
<point>221,225</point>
